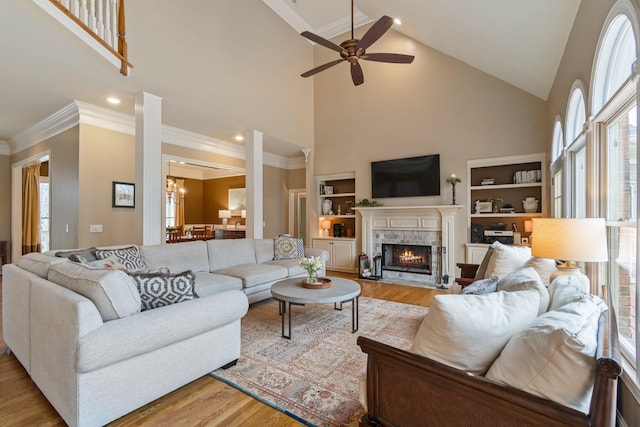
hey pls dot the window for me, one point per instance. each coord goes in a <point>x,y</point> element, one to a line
<point>557,194</point>
<point>45,242</point>
<point>171,209</point>
<point>615,162</point>
<point>579,168</point>
<point>576,115</point>
<point>558,141</point>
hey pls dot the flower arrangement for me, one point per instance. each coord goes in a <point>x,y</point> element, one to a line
<point>312,266</point>
<point>453,179</point>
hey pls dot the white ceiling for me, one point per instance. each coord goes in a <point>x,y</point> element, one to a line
<point>518,41</point>
<point>43,67</point>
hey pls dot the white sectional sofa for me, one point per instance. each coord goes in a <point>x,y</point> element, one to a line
<point>96,358</point>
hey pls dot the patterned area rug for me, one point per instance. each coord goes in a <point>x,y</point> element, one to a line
<point>314,376</point>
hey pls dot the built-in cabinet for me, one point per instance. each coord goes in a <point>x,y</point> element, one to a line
<point>337,220</point>
<point>510,180</point>
<point>342,253</point>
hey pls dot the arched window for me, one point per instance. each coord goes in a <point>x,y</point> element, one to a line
<point>558,141</point>
<point>615,57</point>
<point>576,115</point>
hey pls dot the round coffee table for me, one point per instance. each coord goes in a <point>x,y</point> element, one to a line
<point>291,292</point>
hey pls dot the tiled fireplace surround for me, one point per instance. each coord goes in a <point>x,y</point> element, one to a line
<point>412,225</point>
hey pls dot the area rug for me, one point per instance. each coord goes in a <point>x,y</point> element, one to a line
<point>314,376</point>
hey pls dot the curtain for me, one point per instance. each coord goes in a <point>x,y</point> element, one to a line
<point>31,209</point>
<point>180,203</point>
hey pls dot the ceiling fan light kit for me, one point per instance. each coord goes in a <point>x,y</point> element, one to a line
<point>353,50</point>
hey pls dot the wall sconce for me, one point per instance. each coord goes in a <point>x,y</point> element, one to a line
<point>224,214</point>
<point>325,224</point>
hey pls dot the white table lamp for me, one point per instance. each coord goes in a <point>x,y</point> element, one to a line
<point>570,239</point>
<point>325,224</point>
<point>224,214</point>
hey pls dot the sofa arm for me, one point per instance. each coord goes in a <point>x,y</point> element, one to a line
<point>309,252</point>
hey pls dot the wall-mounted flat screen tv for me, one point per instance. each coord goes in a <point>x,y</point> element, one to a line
<point>410,177</point>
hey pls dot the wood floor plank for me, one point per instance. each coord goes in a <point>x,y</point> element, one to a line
<point>205,401</point>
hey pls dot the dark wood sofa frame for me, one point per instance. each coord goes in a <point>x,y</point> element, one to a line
<point>405,389</point>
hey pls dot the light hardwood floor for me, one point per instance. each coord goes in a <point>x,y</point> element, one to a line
<point>205,401</point>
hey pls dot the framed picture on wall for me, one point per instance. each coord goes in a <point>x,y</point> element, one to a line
<point>237,200</point>
<point>123,195</point>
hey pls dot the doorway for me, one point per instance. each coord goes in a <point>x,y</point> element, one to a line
<point>298,213</point>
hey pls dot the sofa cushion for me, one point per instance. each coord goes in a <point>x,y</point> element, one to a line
<point>287,247</point>
<point>177,256</point>
<point>151,330</point>
<point>229,252</point>
<point>162,289</point>
<point>469,331</point>
<point>113,292</point>
<point>255,274</point>
<point>212,283</point>
<point>129,257</point>
<point>481,272</point>
<point>557,350</point>
<point>563,290</point>
<point>89,253</point>
<point>506,258</point>
<point>37,263</point>
<point>292,265</point>
<point>545,267</point>
<point>526,279</point>
<point>264,250</point>
<point>481,287</point>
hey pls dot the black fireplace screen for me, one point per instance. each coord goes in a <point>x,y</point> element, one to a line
<point>406,258</point>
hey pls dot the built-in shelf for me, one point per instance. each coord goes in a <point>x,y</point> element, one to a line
<point>507,215</point>
<point>338,195</point>
<point>505,186</point>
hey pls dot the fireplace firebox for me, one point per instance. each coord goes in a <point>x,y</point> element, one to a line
<point>406,258</point>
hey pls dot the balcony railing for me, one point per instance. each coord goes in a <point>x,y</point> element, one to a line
<point>103,20</point>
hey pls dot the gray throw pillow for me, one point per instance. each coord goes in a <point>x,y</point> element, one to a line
<point>160,290</point>
<point>89,254</point>
<point>481,287</point>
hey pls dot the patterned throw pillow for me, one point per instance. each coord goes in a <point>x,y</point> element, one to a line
<point>482,286</point>
<point>159,290</point>
<point>129,258</point>
<point>287,247</point>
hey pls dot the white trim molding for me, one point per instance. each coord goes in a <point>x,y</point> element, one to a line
<point>5,149</point>
<point>79,112</point>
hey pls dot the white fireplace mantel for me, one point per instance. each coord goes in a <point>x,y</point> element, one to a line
<point>422,218</point>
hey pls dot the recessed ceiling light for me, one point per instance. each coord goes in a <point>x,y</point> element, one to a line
<point>113,100</point>
<point>397,21</point>
<point>239,138</point>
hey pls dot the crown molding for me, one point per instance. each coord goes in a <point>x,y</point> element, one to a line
<point>5,149</point>
<point>297,163</point>
<point>58,122</point>
<point>79,112</point>
<point>288,15</point>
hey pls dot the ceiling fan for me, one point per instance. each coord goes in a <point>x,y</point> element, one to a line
<point>353,50</point>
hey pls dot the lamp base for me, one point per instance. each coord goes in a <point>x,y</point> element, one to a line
<point>224,223</point>
<point>325,233</point>
<point>578,278</point>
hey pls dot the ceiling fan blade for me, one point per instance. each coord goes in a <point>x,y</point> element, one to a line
<point>375,32</point>
<point>322,67</point>
<point>356,74</point>
<point>396,58</point>
<point>320,40</point>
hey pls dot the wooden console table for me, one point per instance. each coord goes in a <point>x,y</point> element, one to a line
<point>229,234</point>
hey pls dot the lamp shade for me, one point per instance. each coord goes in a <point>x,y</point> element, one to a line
<point>224,214</point>
<point>570,239</point>
<point>325,224</point>
<point>528,226</point>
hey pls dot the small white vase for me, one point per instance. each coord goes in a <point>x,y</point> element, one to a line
<point>530,205</point>
<point>326,206</point>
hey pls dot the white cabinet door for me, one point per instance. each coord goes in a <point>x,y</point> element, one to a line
<point>325,245</point>
<point>475,252</point>
<point>344,255</point>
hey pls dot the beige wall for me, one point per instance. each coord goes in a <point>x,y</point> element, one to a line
<point>436,105</point>
<point>297,178</point>
<point>275,201</point>
<point>104,156</point>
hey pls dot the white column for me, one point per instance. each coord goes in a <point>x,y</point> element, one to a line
<point>149,185</point>
<point>254,178</point>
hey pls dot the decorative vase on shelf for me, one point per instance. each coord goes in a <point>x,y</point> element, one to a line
<point>530,205</point>
<point>326,206</point>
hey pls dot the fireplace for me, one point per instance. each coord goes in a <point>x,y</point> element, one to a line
<point>406,258</point>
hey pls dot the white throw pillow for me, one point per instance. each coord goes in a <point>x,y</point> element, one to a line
<point>526,279</point>
<point>545,267</point>
<point>555,356</point>
<point>469,331</point>
<point>564,290</point>
<point>506,258</point>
